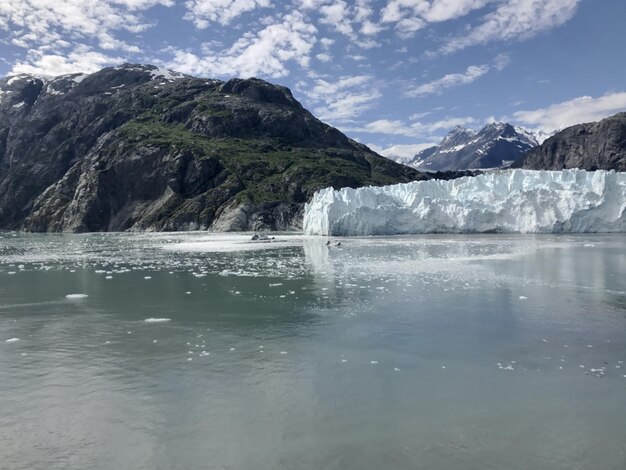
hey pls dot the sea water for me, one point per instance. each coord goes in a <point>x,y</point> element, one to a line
<point>188,351</point>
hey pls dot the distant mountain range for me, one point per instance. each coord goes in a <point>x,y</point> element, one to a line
<point>497,144</point>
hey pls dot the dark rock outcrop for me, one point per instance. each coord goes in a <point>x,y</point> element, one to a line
<point>139,148</point>
<point>592,146</point>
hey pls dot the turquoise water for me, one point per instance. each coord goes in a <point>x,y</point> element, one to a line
<point>433,352</point>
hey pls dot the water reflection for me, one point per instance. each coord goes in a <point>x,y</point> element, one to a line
<point>381,353</point>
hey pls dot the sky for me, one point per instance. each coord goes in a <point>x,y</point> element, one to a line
<point>396,75</point>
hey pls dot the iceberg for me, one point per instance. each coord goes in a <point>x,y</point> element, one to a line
<point>512,201</point>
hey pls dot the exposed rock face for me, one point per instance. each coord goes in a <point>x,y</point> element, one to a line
<point>495,145</point>
<point>593,146</point>
<point>139,148</point>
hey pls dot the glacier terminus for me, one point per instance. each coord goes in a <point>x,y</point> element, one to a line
<point>510,201</point>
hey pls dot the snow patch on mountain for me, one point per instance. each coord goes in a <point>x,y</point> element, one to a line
<point>511,201</point>
<point>166,74</point>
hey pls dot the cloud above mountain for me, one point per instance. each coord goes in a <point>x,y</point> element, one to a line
<point>364,65</point>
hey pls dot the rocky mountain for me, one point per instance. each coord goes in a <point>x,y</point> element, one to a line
<point>593,146</point>
<point>495,145</point>
<point>139,148</point>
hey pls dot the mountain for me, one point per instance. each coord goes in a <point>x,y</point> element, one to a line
<point>592,146</point>
<point>136,147</point>
<point>495,145</point>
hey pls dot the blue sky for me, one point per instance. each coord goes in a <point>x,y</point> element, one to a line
<point>394,74</point>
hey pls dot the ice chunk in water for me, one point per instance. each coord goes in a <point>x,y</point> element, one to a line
<point>12,340</point>
<point>157,320</point>
<point>76,296</point>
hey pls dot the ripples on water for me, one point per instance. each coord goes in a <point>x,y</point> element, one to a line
<point>205,351</point>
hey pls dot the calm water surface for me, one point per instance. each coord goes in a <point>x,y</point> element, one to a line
<point>425,352</point>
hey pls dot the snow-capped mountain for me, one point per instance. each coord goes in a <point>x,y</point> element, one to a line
<point>497,144</point>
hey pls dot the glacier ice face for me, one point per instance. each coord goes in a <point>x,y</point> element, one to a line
<point>514,201</point>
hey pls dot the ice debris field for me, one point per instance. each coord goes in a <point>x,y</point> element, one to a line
<point>513,201</point>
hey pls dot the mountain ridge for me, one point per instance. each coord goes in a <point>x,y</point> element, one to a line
<point>497,144</point>
<point>136,147</point>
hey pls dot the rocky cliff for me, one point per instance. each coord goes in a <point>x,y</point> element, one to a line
<point>140,148</point>
<point>592,146</point>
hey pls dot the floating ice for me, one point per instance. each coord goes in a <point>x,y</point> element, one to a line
<point>76,296</point>
<point>227,243</point>
<point>157,320</point>
<point>12,340</point>
<point>513,201</point>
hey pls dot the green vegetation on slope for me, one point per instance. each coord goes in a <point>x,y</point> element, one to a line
<point>269,169</point>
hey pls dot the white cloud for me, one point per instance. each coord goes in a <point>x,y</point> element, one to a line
<point>338,16</point>
<point>143,4</point>
<point>410,16</point>
<point>472,73</point>
<point>203,12</point>
<point>326,43</point>
<point>309,4</point>
<point>41,23</point>
<point>450,80</point>
<point>407,27</point>
<point>81,60</point>
<point>508,20</point>
<point>416,116</point>
<point>414,129</point>
<point>388,127</point>
<point>323,57</point>
<point>576,111</point>
<point>501,61</point>
<point>514,20</point>
<point>56,33</point>
<point>444,10</point>
<point>343,99</point>
<point>371,29</point>
<point>403,151</point>
<point>352,19</point>
<point>291,38</point>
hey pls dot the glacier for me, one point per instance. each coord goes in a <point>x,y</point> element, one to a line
<point>508,201</point>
